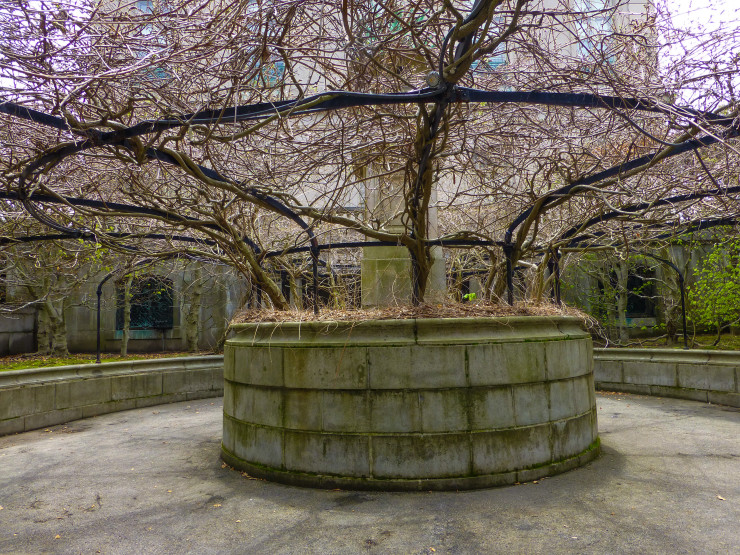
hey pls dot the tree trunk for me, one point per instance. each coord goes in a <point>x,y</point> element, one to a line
<point>57,327</point>
<point>43,333</point>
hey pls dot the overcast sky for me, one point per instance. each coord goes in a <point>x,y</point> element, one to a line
<point>703,14</point>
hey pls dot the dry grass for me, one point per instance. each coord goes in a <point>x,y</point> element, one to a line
<point>447,310</point>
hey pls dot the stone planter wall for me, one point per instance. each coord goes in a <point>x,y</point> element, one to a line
<point>709,376</point>
<point>409,404</point>
<point>41,397</point>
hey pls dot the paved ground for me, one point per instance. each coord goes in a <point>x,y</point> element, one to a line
<point>150,481</point>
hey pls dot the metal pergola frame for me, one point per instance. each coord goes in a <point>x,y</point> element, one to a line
<point>441,96</point>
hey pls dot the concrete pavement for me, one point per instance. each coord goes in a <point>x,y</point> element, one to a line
<point>150,481</point>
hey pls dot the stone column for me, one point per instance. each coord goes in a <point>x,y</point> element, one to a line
<point>386,271</point>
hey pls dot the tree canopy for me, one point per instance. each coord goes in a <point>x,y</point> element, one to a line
<point>234,130</point>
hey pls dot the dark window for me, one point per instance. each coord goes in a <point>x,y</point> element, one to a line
<point>151,303</point>
<point>641,293</point>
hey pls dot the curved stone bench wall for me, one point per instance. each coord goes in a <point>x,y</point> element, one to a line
<point>709,376</point>
<point>409,404</point>
<point>41,397</point>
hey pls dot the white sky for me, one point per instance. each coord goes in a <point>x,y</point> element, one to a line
<point>703,15</point>
<point>703,18</point>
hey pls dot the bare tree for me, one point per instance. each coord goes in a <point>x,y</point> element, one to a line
<point>228,130</point>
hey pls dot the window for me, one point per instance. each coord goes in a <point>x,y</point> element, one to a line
<point>271,74</point>
<point>496,58</point>
<point>594,29</point>
<point>151,303</point>
<point>151,42</point>
<point>488,63</point>
<point>145,6</point>
<point>641,293</point>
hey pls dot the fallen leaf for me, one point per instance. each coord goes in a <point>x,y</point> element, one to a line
<point>1,507</point>
<point>57,537</point>
<point>169,491</point>
<point>238,520</point>
<point>720,498</point>
<point>217,504</point>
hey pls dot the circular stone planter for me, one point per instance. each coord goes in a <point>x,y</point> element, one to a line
<point>456,403</point>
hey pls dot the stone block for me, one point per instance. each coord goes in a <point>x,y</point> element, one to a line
<point>418,367</point>
<point>52,418</point>
<point>78,393</point>
<point>426,456</point>
<point>16,401</point>
<point>18,321</point>
<point>567,359</point>
<point>200,380</point>
<point>395,411</point>
<point>506,363</point>
<point>562,400</point>
<point>44,397</point>
<point>444,410</point>
<point>105,408</point>
<point>583,394</point>
<point>388,367</point>
<point>638,389</point>
<point>175,382</point>
<point>160,399</point>
<point>591,390</point>
<point>209,394</point>
<point>608,371</point>
<point>12,426</point>
<point>137,385</point>
<point>254,444</point>
<point>570,437</point>
<point>491,409</point>
<point>345,411</point>
<point>258,365</point>
<point>323,453</point>
<point>217,378</point>
<point>229,352</point>
<point>325,368</point>
<point>721,398</point>
<point>303,410</point>
<point>229,398</point>
<point>531,404</point>
<point>21,343</point>
<point>679,393</point>
<point>257,405</point>
<point>386,281</point>
<point>512,449</point>
<point>707,376</point>
<point>650,373</point>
